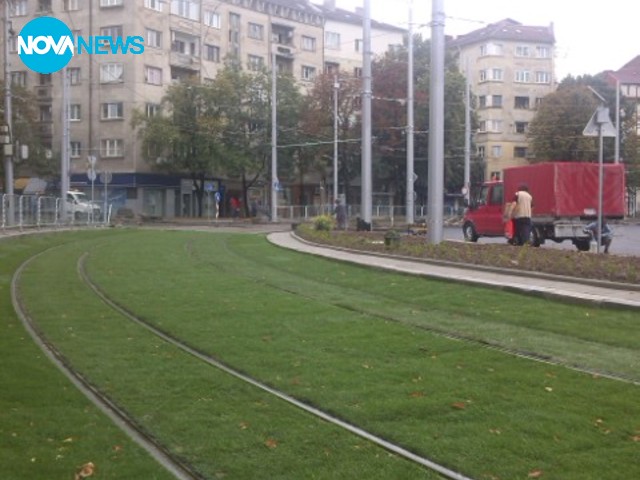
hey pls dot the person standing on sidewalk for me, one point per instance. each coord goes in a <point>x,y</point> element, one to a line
<point>521,210</point>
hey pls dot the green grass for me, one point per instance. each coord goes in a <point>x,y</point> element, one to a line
<point>350,340</point>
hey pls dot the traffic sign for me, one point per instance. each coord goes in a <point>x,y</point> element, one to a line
<point>91,173</point>
<point>600,119</point>
<point>106,177</point>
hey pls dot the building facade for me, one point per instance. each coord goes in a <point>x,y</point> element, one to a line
<point>510,68</point>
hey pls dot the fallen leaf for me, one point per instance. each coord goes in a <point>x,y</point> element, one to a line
<point>535,474</point>
<point>271,443</point>
<point>417,394</point>
<point>548,389</point>
<point>244,425</point>
<point>459,405</point>
<point>636,438</point>
<point>495,431</point>
<point>117,448</point>
<point>85,471</point>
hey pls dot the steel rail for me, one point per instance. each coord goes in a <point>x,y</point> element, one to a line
<point>398,450</point>
<point>177,467</point>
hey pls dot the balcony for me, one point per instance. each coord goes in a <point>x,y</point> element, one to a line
<point>184,61</point>
<point>44,93</point>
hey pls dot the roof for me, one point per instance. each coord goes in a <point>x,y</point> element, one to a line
<point>508,30</point>
<point>629,73</point>
<point>355,18</point>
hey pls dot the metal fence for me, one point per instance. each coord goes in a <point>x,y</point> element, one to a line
<point>28,211</point>
<point>378,212</point>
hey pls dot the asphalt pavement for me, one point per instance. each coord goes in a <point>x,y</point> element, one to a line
<point>602,293</point>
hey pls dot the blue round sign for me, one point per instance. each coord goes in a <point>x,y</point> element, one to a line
<point>45,45</point>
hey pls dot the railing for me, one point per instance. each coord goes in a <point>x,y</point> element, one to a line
<point>28,211</point>
<point>378,212</point>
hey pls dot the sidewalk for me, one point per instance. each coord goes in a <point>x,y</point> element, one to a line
<point>546,287</point>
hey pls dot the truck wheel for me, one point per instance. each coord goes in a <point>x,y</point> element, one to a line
<point>469,232</point>
<point>582,245</point>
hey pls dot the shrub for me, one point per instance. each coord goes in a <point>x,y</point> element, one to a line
<point>324,223</point>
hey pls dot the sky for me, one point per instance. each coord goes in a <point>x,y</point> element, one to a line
<point>590,36</point>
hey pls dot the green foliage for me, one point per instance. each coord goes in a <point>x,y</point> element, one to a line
<point>324,223</point>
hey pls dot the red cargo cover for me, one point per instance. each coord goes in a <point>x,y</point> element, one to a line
<point>569,189</point>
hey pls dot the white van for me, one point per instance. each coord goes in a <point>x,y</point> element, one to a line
<point>80,207</point>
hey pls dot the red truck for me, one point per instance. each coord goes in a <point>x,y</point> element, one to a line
<point>565,200</point>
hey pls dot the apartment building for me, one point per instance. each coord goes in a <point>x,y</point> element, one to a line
<point>627,79</point>
<point>343,39</point>
<point>183,38</point>
<point>511,68</point>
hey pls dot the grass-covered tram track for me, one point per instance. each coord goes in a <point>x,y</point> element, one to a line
<point>482,412</point>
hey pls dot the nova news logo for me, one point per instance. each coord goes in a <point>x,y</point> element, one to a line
<point>46,45</point>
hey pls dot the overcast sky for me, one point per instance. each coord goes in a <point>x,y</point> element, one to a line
<point>590,36</point>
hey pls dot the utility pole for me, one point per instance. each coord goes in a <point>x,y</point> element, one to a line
<point>410,206</point>
<point>336,87</point>
<point>8,146</point>
<point>274,140</point>
<point>366,180</point>
<point>436,125</point>
<point>64,148</point>
<point>466,190</point>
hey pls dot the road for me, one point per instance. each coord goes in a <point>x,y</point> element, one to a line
<point>626,239</point>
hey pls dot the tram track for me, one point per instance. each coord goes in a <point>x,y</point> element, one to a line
<point>218,364</point>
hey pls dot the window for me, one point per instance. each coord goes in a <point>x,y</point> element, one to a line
<point>520,152</point>
<point>496,151</point>
<point>521,103</point>
<point>185,44</point>
<point>13,44</point>
<point>494,74</point>
<point>357,72</point>
<point>522,127</point>
<point>491,49</point>
<point>73,74</point>
<point>212,19</point>
<point>480,152</point>
<point>308,73</point>
<point>152,109</point>
<point>111,73</point>
<point>45,113</point>
<point>111,111</point>
<point>45,79</point>
<point>186,8</point>
<point>308,43</point>
<point>331,68</point>
<point>358,45</point>
<point>256,31</point>
<point>75,112</point>
<point>538,101</point>
<point>543,77</point>
<point>18,8</point>
<point>112,147</point>
<point>44,6</point>
<point>154,38</point>
<point>491,126</point>
<point>332,40</point>
<point>154,4</point>
<point>115,31</point>
<point>75,149</point>
<point>495,176</point>
<point>523,76</point>
<point>110,3</point>
<point>69,5</point>
<point>212,53</point>
<point>482,101</point>
<point>255,63</point>
<point>496,101</point>
<point>153,75</point>
<point>543,52</point>
<point>19,79</point>
<point>522,51</point>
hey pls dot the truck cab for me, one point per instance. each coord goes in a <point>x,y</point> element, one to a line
<point>484,215</point>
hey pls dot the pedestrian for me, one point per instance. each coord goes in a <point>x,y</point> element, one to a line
<point>605,238</point>
<point>235,207</point>
<point>340,212</point>
<point>520,211</point>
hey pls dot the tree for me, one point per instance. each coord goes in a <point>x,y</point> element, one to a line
<point>186,137</point>
<point>24,117</point>
<point>317,123</point>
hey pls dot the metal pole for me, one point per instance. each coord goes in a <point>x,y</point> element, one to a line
<point>8,161</point>
<point>64,150</point>
<point>274,141</point>
<point>366,180</point>
<point>617,148</point>
<point>467,137</point>
<point>436,126</point>
<point>336,86</point>
<point>600,183</point>
<point>410,125</point>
